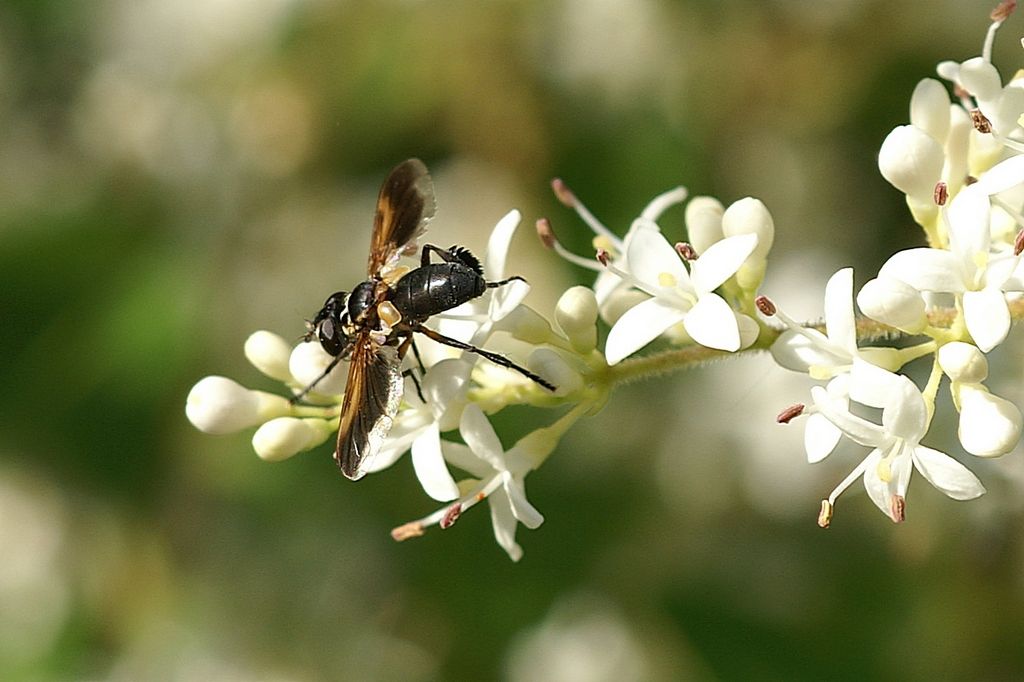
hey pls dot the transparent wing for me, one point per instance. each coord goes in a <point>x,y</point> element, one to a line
<point>404,206</point>
<point>372,397</point>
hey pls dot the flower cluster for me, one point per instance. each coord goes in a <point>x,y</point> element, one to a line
<point>960,164</point>
<point>961,167</point>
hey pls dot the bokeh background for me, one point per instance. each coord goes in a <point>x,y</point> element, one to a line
<point>175,175</point>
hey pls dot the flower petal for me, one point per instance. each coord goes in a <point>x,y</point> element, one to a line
<point>856,428</point>
<point>638,326</point>
<point>504,523</point>
<point>839,319</point>
<point>987,317</point>
<point>428,462</point>
<point>499,243</point>
<point>479,435</point>
<point>712,323</point>
<point>947,474</point>
<point>820,437</point>
<point>525,512</point>
<point>926,269</point>
<point>879,491</point>
<point>969,221</point>
<point>1002,176</point>
<point>721,260</point>
<point>653,261</point>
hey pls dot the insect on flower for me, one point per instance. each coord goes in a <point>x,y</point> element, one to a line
<point>372,326</point>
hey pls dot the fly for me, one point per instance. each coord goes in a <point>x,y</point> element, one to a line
<point>372,326</point>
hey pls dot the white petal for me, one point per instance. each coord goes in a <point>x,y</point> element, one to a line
<point>872,385</point>
<point>640,325</point>
<point>704,222</point>
<point>428,462</point>
<point>980,78</point>
<point>893,302</point>
<point>947,474</point>
<point>929,108</point>
<point>794,351</point>
<point>879,491</point>
<point>969,221</point>
<point>499,243</point>
<point>505,298</point>
<point>663,202</point>
<point>987,317</point>
<point>504,523</point>
<point>1003,176</point>
<point>479,435</point>
<point>926,269</point>
<point>911,160</point>
<point>839,319</point>
<point>856,428</point>
<point>651,258</point>
<point>712,323</point>
<point>906,415</point>
<point>720,261</point>
<point>750,216</point>
<point>820,437</point>
<point>963,362</point>
<point>525,512</point>
<point>461,456</point>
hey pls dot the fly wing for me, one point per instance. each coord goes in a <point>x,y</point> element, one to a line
<point>372,397</point>
<point>404,206</point>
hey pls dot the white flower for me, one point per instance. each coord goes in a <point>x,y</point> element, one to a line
<point>967,269</point>
<point>498,478</point>
<point>896,442</point>
<point>678,295</point>
<point>824,356</point>
<point>219,405</point>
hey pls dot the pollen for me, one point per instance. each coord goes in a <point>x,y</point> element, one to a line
<point>666,279</point>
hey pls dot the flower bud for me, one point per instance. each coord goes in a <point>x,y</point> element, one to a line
<point>283,437</point>
<point>576,316</point>
<point>963,363</point>
<point>526,324</point>
<point>911,160</point>
<point>269,353</point>
<point>220,405</point>
<point>749,329</point>
<point>308,362</point>
<point>929,108</point>
<point>989,425</point>
<point>895,303</point>
<point>704,222</point>
<point>750,216</point>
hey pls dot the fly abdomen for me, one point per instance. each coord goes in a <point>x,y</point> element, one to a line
<point>434,288</point>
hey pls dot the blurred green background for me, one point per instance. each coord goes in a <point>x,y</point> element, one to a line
<point>175,175</point>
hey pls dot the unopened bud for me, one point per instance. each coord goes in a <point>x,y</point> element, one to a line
<point>284,437</point>
<point>704,222</point>
<point>963,362</point>
<point>893,302</point>
<point>576,315</point>
<point>790,413</point>
<point>990,426</point>
<point>911,160</point>
<point>765,306</point>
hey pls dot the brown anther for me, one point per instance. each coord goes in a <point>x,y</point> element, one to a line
<point>686,251</point>
<point>941,194</point>
<point>450,516</point>
<point>790,413</point>
<point>825,515</point>
<point>1018,243</point>
<point>563,193</point>
<point>970,180</point>
<point>413,529</point>
<point>981,124</point>
<point>899,509</point>
<point>765,305</point>
<point>603,257</point>
<point>546,234</point>
<point>1003,10</point>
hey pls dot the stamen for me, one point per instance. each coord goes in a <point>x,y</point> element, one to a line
<point>941,194</point>
<point>857,472</point>
<point>566,196</point>
<point>898,511</point>
<point>413,529</point>
<point>563,193</point>
<point>602,257</point>
<point>766,306</point>
<point>1018,243</point>
<point>790,413</point>
<point>547,236</point>
<point>686,251</point>
<point>981,123</point>
<point>825,515</point>
<point>1003,10</point>
<point>663,202</point>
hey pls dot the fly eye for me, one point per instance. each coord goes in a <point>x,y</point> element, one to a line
<point>332,339</point>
